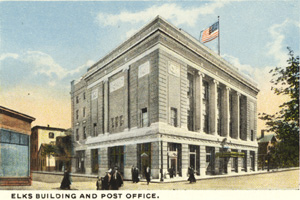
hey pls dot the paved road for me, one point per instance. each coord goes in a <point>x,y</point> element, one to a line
<point>272,180</point>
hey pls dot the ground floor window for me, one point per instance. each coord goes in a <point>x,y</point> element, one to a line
<point>234,163</point>
<point>80,155</point>
<point>116,158</point>
<point>94,157</point>
<point>194,158</point>
<point>174,159</point>
<point>210,160</point>
<point>252,160</point>
<point>244,161</point>
<point>144,157</point>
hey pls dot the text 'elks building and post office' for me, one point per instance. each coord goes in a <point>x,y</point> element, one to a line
<point>164,100</point>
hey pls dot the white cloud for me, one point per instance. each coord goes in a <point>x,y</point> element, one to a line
<point>277,47</point>
<point>9,55</point>
<point>177,14</point>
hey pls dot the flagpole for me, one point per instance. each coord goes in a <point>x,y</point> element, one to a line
<point>200,36</point>
<point>219,35</point>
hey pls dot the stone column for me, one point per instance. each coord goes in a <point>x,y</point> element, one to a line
<point>164,157</point>
<point>131,160</point>
<point>213,107</point>
<point>226,114</point>
<point>106,119</point>
<point>88,161</point>
<point>236,115</point>
<point>255,160</point>
<point>229,164</point>
<point>126,114</point>
<point>202,160</point>
<point>240,160</point>
<point>103,163</point>
<point>248,161</point>
<point>198,95</point>
<point>217,161</point>
<point>185,159</point>
<point>155,160</point>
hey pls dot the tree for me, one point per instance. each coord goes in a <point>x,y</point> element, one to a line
<point>285,123</point>
<point>49,150</point>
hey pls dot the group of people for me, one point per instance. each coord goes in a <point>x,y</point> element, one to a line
<point>112,180</point>
<point>135,174</point>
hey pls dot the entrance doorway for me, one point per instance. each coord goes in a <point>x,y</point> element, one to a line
<point>174,159</point>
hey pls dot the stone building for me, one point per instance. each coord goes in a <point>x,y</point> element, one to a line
<point>14,147</point>
<point>162,99</point>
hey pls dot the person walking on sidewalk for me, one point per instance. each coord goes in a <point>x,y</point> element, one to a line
<point>148,174</point>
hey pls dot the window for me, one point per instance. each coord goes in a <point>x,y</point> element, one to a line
<point>112,123</point>
<point>83,112</point>
<point>121,120</point>
<point>117,122</point>
<point>252,135</point>
<point>77,134</point>
<point>77,114</point>
<point>77,99</point>
<point>84,132</point>
<point>205,101</point>
<point>95,129</point>
<point>174,117</point>
<point>13,137</point>
<point>51,135</point>
<point>219,111</point>
<point>84,95</point>
<point>144,120</point>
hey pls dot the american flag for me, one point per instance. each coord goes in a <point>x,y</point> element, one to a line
<point>210,33</point>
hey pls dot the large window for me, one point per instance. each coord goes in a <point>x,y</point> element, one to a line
<point>190,95</point>
<point>11,137</point>
<point>205,109</point>
<point>174,117</point>
<point>219,111</point>
<point>144,117</point>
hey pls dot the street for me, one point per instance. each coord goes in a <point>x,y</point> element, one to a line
<point>266,181</point>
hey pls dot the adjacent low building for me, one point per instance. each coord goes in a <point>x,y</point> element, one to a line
<point>164,100</point>
<point>43,140</point>
<point>15,130</point>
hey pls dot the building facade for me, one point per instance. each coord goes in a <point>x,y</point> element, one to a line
<point>41,136</point>
<point>14,147</point>
<point>162,99</point>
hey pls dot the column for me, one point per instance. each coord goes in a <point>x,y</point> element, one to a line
<point>131,160</point>
<point>213,107</point>
<point>106,119</point>
<point>155,162</point>
<point>236,115</point>
<point>202,160</point>
<point>229,164</point>
<point>126,99</point>
<point>198,96</point>
<point>226,114</point>
<point>185,159</point>
<point>103,166</point>
<point>240,162</point>
<point>87,161</point>
<point>217,161</point>
<point>164,158</point>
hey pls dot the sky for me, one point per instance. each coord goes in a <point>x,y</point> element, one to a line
<point>46,45</point>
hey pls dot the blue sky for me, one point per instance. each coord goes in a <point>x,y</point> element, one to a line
<point>45,45</point>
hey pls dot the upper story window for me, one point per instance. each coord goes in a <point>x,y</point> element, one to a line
<point>51,135</point>
<point>77,114</point>
<point>77,99</point>
<point>84,132</point>
<point>252,135</point>
<point>112,123</point>
<point>77,134</point>
<point>205,109</point>
<point>83,112</point>
<point>117,122</point>
<point>174,117</point>
<point>144,117</point>
<point>121,120</point>
<point>95,129</point>
<point>84,96</point>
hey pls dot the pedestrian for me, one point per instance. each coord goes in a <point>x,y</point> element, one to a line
<point>106,180</point>
<point>66,182</point>
<point>148,174</point>
<point>136,175</point>
<point>132,173</point>
<point>191,178</point>
<point>116,180</point>
<point>99,183</point>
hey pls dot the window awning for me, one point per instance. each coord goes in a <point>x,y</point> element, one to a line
<point>230,154</point>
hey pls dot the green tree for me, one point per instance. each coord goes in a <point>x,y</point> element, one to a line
<point>285,123</point>
<point>49,150</point>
